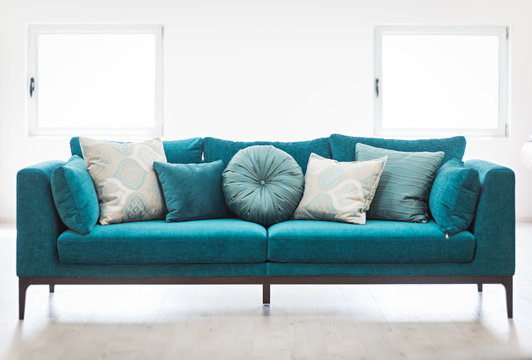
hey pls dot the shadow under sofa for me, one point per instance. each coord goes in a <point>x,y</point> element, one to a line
<point>234,251</point>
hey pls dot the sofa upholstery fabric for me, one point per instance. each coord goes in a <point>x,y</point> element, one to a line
<point>74,196</point>
<point>218,149</point>
<point>377,242</point>
<point>39,226</point>
<point>494,226</point>
<point>219,241</point>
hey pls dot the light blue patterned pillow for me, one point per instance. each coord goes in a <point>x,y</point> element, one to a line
<point>126,182</point>
<point>404,189</point>
<point>339,191</point>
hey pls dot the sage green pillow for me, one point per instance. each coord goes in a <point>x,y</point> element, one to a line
<point>405,183</point>
<point>263,184</point>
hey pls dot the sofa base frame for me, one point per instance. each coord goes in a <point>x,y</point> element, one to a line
<point>266,281</point>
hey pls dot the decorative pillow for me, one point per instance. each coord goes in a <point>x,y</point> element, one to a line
<point>74,196</point>
<point>126,183</point>
<point>454,195</point>
<point>263,184</point>
<point>339,191</point>
<point>404,189</point>
<point>192,191</point>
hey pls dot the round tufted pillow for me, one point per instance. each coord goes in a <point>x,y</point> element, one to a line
<point>263,184</point>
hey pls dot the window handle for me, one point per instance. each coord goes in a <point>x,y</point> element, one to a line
<point>32,86</point>
<point>377,87</point>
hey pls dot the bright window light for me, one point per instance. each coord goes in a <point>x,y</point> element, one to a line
<point>94,80</point>
<point>441,80</point>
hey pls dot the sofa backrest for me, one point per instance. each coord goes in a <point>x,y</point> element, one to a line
<point>218,149</point>
<point>343,147</point>
<point>176,151</point>
<point>338,147</point>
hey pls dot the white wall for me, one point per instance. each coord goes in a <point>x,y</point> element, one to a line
<point>243,69</point>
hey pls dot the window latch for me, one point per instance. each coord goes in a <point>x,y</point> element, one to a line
<point>32,86</point>
<point>377,87</point>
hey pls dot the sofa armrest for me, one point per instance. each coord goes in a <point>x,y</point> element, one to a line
<point>38,224</point>
<point>494,223</point>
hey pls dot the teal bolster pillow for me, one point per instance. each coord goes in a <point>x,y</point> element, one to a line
<point>263,184</point>
<point>405,183</point>
<point>74,196</point>
<point>454,196</point>
<point>192,191</point>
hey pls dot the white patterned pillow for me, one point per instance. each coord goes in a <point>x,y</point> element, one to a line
<point>125,179</point>
<point>339,191</point>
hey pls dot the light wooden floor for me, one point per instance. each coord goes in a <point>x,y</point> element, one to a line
<point>303,322</point>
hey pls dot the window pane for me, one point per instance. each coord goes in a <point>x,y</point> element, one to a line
<point>96,80</point>
<point>440,81</point>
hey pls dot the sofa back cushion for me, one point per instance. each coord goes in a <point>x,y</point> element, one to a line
<point>218,149</point>
<point>343,147</point>
<point>176,151</point>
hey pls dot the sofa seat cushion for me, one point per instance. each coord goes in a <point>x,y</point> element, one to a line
<point>377,242</point>
<point>215,241</point>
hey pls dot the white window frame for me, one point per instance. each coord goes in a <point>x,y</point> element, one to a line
<point>35,30</point>
<point>502,32</point>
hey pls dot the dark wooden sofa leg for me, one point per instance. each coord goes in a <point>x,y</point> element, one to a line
<point>479,287</point>
<point>23,285</point>
<point>52,288</point>
<point>508,285</point>
<point>266,294</point>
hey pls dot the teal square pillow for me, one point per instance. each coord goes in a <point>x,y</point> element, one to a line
<point>192,191</point>
<point>74,196</point>
<point>405,184</point>
<point>454,196</point>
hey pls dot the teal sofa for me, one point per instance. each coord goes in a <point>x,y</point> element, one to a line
<point>233,251</point>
